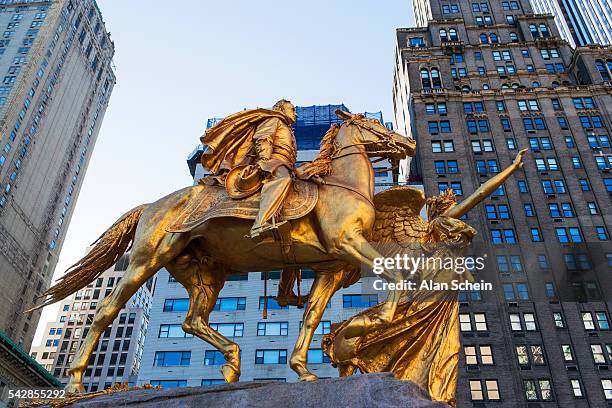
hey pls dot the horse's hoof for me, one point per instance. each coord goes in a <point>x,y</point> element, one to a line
<point>308,377</point>
<point>74,388</point>
<point>292,300</point>
<point>230,373</point>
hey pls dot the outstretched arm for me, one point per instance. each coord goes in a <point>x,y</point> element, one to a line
<point>487,188</point>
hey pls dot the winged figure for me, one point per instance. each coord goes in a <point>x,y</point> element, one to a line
<point>422,342</point>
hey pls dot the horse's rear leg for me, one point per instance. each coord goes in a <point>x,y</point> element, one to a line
<point>107,311</point>
<point>202,299</point>
<point>145,260</point>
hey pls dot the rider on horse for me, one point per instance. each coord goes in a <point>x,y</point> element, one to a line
<point>251,148</point>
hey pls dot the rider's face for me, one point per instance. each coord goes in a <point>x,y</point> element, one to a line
<point>289,110</point>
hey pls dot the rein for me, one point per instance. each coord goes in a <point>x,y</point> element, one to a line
<point>327,182</point>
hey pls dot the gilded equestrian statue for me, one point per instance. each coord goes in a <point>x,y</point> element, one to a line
<point>333,234</point>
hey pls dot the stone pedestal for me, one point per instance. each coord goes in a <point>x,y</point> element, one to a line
<point>371,390</point>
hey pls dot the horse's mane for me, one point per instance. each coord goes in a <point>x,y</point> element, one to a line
<point>322,164</point>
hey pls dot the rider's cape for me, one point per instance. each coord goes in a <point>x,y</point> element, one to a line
<point>230,142</point>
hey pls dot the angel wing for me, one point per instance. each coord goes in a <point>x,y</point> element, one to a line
<point>398,216</point>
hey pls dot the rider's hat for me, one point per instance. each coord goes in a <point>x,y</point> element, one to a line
<point>243,181</point>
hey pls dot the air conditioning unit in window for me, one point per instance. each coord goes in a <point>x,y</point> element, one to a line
<point>602,367</point>
<point>571,367</point>
<point>512,304</point>
<point>558,219</point>
<point>551,196</point>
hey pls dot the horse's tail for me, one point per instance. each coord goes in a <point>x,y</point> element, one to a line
<point>106,250</point>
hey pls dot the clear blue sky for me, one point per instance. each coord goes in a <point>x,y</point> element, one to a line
<point>179,63</point>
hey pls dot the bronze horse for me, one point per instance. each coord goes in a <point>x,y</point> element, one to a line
<point>329,239</point>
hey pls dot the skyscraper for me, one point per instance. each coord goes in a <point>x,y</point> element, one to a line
<point>57,77</point>
<point>117,357</point>
<point>479,82</point>
<point>173,358</point>
<point>580,22</point>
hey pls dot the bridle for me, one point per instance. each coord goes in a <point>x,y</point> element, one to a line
<point>387,141</point>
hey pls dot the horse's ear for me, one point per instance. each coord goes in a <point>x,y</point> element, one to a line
<point>343,115</point>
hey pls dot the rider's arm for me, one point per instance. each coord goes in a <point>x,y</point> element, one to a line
<point>264,138</point>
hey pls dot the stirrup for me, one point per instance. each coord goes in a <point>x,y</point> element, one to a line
<point>262,231</point>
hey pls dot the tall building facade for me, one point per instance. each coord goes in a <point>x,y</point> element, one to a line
<point>57,77</point>
<point>173,358</point>
<point>580,22</point>
<point>480,82</point>
<point>118,355</point>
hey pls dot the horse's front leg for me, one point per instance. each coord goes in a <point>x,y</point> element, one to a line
<point>326,283</point>
<point>356,248</point>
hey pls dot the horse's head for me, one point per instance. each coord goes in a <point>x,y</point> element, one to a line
<point>377,139</point>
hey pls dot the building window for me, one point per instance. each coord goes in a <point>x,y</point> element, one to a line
<point>228,329</point>
<point>213,357</point>
<point>442,146</point>
<point>602,320</point>
<point>481,388</point>
<point>598,354</point>
<point>272,304</point>
<point>363,301</point>
<point>587,321</point>
<point>475,355</point>
<point>176,305</point>
<point>455,186</point>
<point>527,322</point>
<point>602,234</point>
<point>169,383</point>
<point>172,331</point>
<point>576,388</point>
<point>571,234</point>
<point>230,303</point>
<point>430,78</point>
<point>272,328</point>
<point>500,236</point>
<point>271,356</point>
<point>536,235</point>
<point>212,381</point>
<point>603,70</point>
<point>416,42</point>
<point>478,321</point>
<point>172,358</point>
<point>606,385</point>
<point>592,207</point>
<point>540,390</point>
<point>317,356</point>
<point>536,123</point>
<point>485,145</point>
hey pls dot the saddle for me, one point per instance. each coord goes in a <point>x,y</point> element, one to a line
<point>210,202</point>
